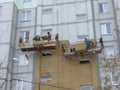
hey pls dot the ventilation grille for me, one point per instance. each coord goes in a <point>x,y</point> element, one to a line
<point>85,61</point>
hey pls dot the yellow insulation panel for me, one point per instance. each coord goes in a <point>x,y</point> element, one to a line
<point>65,72</point>
<point>80,47</point>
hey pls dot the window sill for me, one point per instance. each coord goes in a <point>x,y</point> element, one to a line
<point>23,65</point>
<point>26,21</point>
<point>107,34</point>
<point>104,12</point>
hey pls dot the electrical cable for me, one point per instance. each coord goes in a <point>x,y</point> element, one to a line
<point>36,83</point>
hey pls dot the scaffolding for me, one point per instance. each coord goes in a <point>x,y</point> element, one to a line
<point>81,48</point>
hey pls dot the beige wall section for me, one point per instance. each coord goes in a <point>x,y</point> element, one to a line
<point>37,70</point>
<point>65,72</point>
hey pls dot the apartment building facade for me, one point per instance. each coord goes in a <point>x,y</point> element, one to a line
<point>7,37</point>
<point>73,20</point>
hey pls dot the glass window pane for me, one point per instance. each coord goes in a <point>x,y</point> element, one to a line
<point>26,16</point>
<point>101,8</point>
<point>81,16</point>
<point>47,11</point>
<point>45,78</point>
<point>104,7</point>
<point>25,36</point>
<point>105,29</point>
<point>108,28</point>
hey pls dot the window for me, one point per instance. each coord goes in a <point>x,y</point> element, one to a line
<point>82,37</point>
<point>105,28</point>
<point>47,11</point>
<point>44,31</point>
<point>26,16</point>
<point>104,7</point>
<point>86,88</point>
<point>45,78</point>
<point>24,1</point>
<point>25,36</point>
<point>81,16</point>
<point>0,10</point>
<point>21,85</point>
<point>23,59</point>
<point>109,52</point>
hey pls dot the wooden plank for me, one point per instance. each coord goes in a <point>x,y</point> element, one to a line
<point>44,47</point>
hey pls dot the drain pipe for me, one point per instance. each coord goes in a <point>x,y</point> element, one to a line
<point>116,24</point>
<point>95,38</point>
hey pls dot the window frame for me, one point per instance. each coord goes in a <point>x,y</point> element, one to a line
<point>102,5</point>
<point>82,16</point>
<point>47,10</point>
<point>45,77</point>
<point>107,28</point>
<point>26,16</point>
<point>25,38</point>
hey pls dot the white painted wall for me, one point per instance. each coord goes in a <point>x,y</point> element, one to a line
<point>7,11</point>
<point>4,54</point>
<point>5,1</point>
<point>5,32</point>
<point>21,5</point>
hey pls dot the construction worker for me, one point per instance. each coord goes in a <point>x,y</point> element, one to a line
<point>101,42</point>
<point>56,37</point>
<point>88,43</point>
<point>49,37</point>
<point>20,40</point>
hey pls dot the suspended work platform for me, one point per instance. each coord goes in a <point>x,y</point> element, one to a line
<point>39,43</point>
<point>37,46</point>
<point>81,49</point>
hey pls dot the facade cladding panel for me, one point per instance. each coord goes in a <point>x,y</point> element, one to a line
<point>73,20</point>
